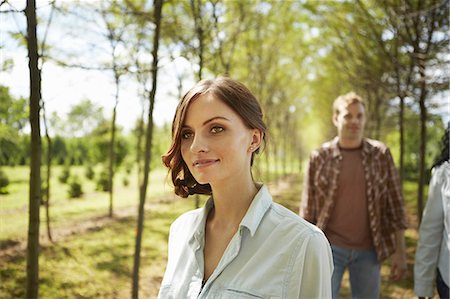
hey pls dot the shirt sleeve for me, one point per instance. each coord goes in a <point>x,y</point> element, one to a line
<point>307,208</point>
<point>312,270</point>
<point>395,209</point>
<point>430,238</point>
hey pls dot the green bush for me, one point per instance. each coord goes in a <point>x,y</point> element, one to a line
<point>75,188</point>
<point>90,173</point>
<point>125,181</point>
<point>65,174</point>
<point>103,181</point>
<point>4,182</point>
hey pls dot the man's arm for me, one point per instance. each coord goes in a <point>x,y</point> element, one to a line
<point>307,205</point>
<point>398,220</point>
<point>398,261</point>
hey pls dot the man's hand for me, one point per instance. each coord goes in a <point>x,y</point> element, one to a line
<point>398,265</point>
<point>398,261</point>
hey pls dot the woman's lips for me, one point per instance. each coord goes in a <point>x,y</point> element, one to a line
<point>204,162</point>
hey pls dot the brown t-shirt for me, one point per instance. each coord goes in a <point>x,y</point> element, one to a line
<point>349,226</point>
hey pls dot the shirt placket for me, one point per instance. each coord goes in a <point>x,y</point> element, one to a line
<point>195,285</point>
<point>229,255</point>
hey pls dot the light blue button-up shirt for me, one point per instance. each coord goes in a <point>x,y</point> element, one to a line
<point>433,247</point>
<point>274,254</point>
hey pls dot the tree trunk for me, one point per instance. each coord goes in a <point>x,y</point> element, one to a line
<point>402,138</point>
<point>423,138</point>
<point>112,152</point>
<point>48,176</point>
<point>196,6</point>
<point>148,146</point>
<point>32,281</point>
<point>140,136</point>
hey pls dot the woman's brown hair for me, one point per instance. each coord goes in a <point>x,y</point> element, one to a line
<point>237,97</point>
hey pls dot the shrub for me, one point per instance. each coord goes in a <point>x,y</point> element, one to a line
<point>65,174</point>
<point>103,182</point>
<point>4,182</point>
<point>90,173</point>
<point>75,188</point>
<point>125,181</point>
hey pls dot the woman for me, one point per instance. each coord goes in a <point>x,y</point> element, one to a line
<point>240,244</point>
<point>433,248</point>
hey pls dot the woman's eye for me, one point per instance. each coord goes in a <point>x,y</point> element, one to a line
<point>216,129</point>
<point>186,135</point>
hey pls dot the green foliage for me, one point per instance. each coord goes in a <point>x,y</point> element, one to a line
<point>13,119</point>
<point>83,118</point>
<point>65,174</point>
<point>13,112</point>
<point>100,139</point>
<point>125,181</point>
<point>103,181</point>
<point>75,188</point>
<point>59,150</point>
<point>4,182</point>
<point>90,172</point>
<point>411,156</point>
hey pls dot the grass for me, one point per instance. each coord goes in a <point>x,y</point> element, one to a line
<point>14,206</point>
<point>97,262</point>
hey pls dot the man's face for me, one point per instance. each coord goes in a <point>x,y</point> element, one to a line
<point>350,122</point>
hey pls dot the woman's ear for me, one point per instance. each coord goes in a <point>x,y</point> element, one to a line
<point>257,137</point>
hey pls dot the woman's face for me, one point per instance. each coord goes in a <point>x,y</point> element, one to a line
<point>215,143</point>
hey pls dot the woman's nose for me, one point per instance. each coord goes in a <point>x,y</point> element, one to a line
<point>199,144</point>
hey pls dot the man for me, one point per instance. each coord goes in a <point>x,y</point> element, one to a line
<point>352,192</point>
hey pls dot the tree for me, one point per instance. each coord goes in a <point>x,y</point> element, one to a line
<point>157,12</point>
<point>32,283</point>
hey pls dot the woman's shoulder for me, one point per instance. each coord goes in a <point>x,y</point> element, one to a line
<point>441,173</point>
<point>188,219</point>
<point>293,223</point>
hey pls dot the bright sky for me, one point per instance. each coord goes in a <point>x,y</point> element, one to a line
<point>63,88</point>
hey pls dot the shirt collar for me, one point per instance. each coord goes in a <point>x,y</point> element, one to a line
<point>337,152</point>
<point>258,208</point>
<point>197,238</point>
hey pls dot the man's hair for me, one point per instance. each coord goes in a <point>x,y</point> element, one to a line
<point>345,100</point>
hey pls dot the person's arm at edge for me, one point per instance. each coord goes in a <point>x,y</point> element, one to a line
<point>306,209</point>
<point>430,233</point>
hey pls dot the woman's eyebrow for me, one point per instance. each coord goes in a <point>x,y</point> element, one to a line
<point>214,118</point>
<point>207,121</point>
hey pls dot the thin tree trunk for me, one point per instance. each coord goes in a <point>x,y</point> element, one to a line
<point>112,152</point>
<point>148,146</point>
<point>196,6</point>
<point>402,138</point>
<point>32,280</point>
<point>140,135</point>
<point>423,138</point>
<point>48,176</point>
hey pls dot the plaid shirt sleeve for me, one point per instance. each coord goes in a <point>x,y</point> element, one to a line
<point>308,208</point>
<point>395,207</point>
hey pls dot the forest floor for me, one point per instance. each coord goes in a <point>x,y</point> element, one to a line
<point>100,250</point>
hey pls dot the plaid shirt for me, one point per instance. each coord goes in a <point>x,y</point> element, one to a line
<point>383,191</point>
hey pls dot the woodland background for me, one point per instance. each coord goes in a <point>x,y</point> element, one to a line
<point>85,204</point>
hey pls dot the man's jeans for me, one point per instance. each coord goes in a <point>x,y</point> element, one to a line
<point>364,271</point>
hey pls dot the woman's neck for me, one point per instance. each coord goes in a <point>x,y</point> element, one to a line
<point>231,202</point>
